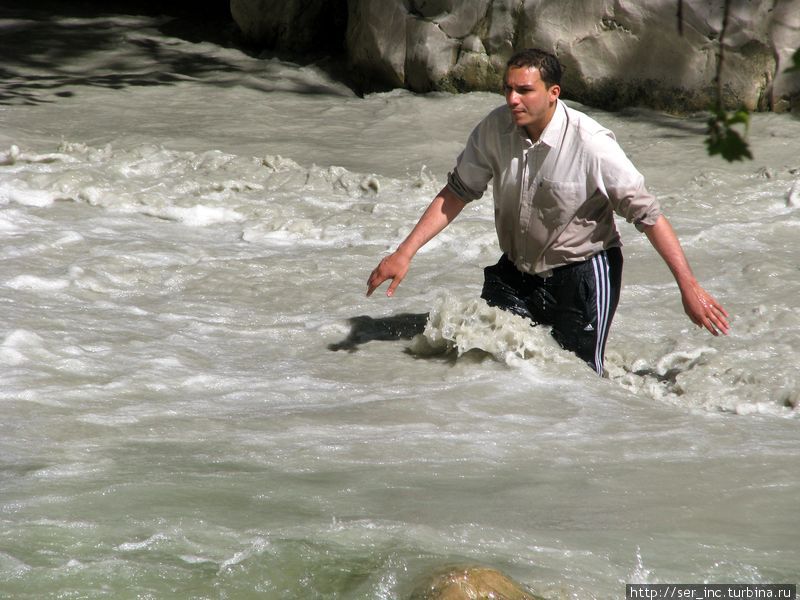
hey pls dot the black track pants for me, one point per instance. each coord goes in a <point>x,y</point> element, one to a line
<point>578,300</point>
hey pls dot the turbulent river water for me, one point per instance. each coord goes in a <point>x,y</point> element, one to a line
<point>199,401</point>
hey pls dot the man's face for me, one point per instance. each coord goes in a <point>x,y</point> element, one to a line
<point>530,100</point>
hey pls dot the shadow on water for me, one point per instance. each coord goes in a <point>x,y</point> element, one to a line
<point>365,329</point>
<point>45,47</point>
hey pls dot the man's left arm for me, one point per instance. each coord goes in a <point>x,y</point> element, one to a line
<point>702,308</point>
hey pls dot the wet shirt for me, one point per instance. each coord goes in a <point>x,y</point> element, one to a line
<point>554,199</point>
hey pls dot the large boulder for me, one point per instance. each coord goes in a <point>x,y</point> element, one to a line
<point>616,52</point>
<point>784,31</point>
<point>622,53</point>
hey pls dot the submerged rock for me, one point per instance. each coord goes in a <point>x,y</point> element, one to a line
<point>616,53</point>
<point>471,583</point>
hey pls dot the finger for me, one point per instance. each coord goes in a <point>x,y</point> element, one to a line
<point>717,314</point>
<point>372,287</point>
<point>710,326</point>
<point>374,282</point>
<point>712,302</point>
<point>702,319</point>
<point>716,324</point>
<point>393,286</point>
<point>721,309</point>
<point>713,316</point>
<point>721,323</point>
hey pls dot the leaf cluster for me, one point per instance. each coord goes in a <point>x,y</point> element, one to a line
<point>723,139</point>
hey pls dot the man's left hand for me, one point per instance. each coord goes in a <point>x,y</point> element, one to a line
<point>704,310</point>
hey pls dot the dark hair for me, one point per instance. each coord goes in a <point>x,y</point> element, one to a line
<point>533,58</point>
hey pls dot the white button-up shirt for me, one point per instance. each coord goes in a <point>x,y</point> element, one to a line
<point>553,198</point>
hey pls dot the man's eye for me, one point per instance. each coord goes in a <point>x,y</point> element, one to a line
<point>520,91</point>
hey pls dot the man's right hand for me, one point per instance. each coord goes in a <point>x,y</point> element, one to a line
<point>443,209</point>
<point>394,267</point>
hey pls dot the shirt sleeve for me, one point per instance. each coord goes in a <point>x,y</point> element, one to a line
<point>622,183</point>
<point>472,173</point>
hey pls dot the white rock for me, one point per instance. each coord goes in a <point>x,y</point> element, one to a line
<point>430,55</point>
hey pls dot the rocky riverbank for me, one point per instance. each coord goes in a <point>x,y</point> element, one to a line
<point>616,54</point>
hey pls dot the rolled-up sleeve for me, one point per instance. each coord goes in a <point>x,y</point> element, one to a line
<point>472,173</point>
<point>456,185</point>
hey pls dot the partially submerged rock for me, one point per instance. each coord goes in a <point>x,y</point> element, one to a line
<point>471,583</point>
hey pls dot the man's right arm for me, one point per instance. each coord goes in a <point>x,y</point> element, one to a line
<point>442,210</point>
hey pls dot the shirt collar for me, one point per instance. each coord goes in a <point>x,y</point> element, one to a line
<point>552,133</point>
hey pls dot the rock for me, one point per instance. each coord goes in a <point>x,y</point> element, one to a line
<point>462,18</point>
<point>616,53</point>
<point>784,33</point>
<point>430,54</point>
<point>376,41</point>
<point>475,71</point>
<point>632,53</point>
<point>470,583</point>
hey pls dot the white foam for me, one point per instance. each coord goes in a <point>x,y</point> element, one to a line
<point>464,325</point>
<point>257,546</point>
<point>69,237</point>
<point>144,544</point>
<point>14,155</point>
<point>21,338</point>
<point>33,282</point>
<point>195,216</point>
<point>793,195</point>
<point>22,345</point>
<point>284,234</point>
<point>108,420</point>
<point>191,559</point>
<point>8,224</point>
<point>683,360</point>
<point>29,197</point>
<point>11,566</point>
<point>10,156</point>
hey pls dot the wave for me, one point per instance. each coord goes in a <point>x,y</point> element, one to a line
<point>461,326</point>
<point>689,377</point>
<point>275,199</point>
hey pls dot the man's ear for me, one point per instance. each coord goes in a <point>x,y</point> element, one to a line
<point>554,91</point>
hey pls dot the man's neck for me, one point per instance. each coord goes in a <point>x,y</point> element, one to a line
<point>535,130</point>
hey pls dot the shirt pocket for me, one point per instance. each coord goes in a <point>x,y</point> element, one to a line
<point>557,201</point>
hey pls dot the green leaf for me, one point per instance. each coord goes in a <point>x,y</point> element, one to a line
<point>730,145</point>
<point>740,116</point>
<point>723,139</point>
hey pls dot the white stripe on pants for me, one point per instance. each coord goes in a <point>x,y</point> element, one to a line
<point>602,287</point>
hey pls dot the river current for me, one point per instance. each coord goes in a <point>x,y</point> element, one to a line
<point>200,402</point>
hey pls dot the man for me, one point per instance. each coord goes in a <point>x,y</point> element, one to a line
<point>558,177</point>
